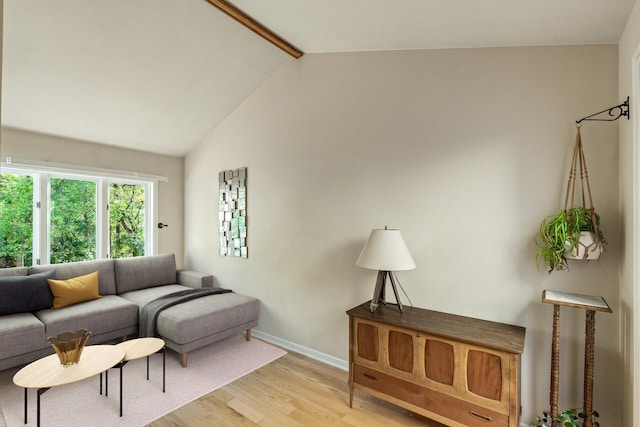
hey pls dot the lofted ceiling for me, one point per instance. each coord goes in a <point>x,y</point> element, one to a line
<point>158,75</point>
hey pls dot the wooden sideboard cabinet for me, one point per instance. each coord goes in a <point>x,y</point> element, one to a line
<point>456,370</point>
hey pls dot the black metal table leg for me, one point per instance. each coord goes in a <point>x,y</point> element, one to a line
<point>162,350</point>
<point>121,366</point>
<point>25,405</point>
<point>40,393</point>
<point>38,406</point>
<point>163,367</point>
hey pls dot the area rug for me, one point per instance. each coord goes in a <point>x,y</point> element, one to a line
<point>80,404</point>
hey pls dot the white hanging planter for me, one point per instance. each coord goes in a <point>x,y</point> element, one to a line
<point>587,248</point>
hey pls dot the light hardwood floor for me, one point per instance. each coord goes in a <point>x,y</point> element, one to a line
<point>291,391</point>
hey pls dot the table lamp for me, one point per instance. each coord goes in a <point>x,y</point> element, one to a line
<point>386,252</point>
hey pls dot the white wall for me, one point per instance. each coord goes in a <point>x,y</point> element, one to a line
<point>465,151</point>
<point>629,48</point>
<point>33,147</point>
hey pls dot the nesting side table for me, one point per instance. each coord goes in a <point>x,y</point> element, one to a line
<point>46,372</point>
<point>137,349</point>
<point>591,304</point>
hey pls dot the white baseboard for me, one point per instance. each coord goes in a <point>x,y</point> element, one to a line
<point>305,351</point>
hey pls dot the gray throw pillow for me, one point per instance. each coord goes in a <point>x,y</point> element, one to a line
<point>23,294</point>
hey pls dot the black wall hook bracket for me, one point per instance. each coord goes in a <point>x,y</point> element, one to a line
<point>614,112</point>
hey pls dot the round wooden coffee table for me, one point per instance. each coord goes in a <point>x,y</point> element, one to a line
<point>140,347</point>
<point>47,372</point>
<point>137,349</point>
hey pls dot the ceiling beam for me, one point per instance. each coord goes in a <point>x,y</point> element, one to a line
<point>256,27</point>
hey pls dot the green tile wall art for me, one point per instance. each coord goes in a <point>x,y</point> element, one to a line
<point>232,212</point>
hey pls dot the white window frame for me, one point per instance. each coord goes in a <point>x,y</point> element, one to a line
<point>103,178</point>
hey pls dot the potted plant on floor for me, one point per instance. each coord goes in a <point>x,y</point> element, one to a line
<point>568,418</point>
<point>575,232</point>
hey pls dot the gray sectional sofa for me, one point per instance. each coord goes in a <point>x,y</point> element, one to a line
<point>125,286</point>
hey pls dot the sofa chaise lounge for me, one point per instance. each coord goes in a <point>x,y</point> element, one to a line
<point>125,286</point>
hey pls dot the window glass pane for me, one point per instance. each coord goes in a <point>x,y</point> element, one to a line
<point>16,220</point>
<point>72,220</point>
<point>126,220</point>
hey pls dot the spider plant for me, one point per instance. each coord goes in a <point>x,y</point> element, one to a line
<point>568,418</point>
<point>561,232</point>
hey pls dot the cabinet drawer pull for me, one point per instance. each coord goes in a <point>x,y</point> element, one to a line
<point>480,417</point>
<point>371,377</point>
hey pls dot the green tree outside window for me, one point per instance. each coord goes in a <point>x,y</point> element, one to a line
<point>126,220</point>
<point>72,220</point>
<point>72,214</point>
<point>16,220</point>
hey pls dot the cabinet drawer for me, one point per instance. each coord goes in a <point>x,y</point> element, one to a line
<point>454,409</point>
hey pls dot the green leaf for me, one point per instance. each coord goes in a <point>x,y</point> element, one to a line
<point>561,230</point>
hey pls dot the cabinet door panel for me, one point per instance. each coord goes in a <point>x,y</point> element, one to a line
<point>439,361</point>
<point>367,340</point>
<point>401,351</point>
<point>484,374</point>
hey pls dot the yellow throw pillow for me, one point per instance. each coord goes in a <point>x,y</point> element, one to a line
<point>74,290</point>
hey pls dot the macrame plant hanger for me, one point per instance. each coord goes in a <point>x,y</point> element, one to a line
<point>612,114</point>
<point>580,162</point>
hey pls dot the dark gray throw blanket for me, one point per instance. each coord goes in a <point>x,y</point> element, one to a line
<point>151,310</point>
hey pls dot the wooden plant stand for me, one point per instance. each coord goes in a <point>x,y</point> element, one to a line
<point>591,304</point>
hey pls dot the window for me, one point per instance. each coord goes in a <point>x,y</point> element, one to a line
<point>72,220</point>
<point>51,215</point>
<point>16,220</point>
<point>126,220</point>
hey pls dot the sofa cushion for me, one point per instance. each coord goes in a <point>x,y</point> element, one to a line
<point>24,294</point>
<point>145,272</point>
<point>21,333</point>
<point>204,316</point>
<point>104,267</point>
<point>74,290</point>
<point>14,271</point>
<point>143,296</point>
<point>99,316</point>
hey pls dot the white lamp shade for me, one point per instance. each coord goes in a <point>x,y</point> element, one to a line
<point>385,250</point>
